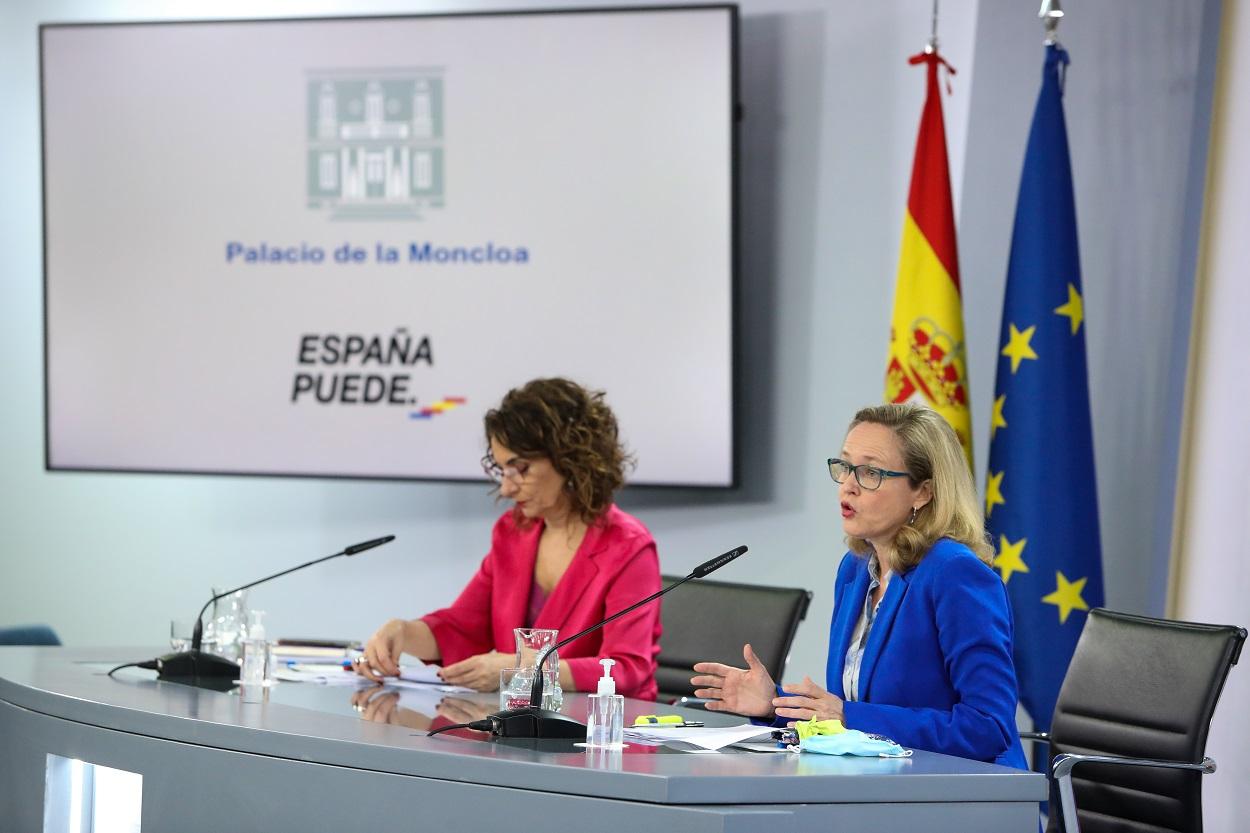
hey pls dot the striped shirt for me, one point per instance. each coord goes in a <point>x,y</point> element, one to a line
<point>859,639</point>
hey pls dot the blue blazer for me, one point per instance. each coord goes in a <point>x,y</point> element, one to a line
<point>937,672</point>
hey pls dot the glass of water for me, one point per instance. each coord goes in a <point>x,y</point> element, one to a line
<point>227,625</point>
<point>180,633</point>
<point>515,685</point>
<point>530,645</point>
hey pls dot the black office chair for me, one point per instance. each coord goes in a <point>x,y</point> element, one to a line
<point>712,620</point>
<point>29,635</point>
<point>1133,714</point>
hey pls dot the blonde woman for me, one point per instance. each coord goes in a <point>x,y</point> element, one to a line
<point>920,646</point>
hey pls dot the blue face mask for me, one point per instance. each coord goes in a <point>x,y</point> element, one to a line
<point>854,742</point>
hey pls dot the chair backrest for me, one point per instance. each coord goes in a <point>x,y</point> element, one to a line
<point>712,620</point>
<point>1143,688</point>
<point>28,635</point>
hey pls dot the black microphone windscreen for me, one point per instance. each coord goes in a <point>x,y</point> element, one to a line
<point>716,563</point>
<point>368,545</point>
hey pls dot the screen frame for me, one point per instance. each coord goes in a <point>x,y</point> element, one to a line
<point>735,290</point>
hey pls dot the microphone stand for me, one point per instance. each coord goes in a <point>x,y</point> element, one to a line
<point>198,667</point>
<point>533,721</point>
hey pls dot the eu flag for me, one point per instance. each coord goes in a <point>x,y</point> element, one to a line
<point>1041,500</point>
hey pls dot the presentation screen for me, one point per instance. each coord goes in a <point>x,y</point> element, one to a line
<point>325,247</point>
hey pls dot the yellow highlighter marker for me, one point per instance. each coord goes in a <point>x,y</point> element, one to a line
<point>659,720</point>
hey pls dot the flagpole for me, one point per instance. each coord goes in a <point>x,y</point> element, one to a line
<point>932,45</point>
<point>1051,14</point>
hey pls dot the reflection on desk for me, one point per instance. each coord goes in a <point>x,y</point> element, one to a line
<point>423,710</point>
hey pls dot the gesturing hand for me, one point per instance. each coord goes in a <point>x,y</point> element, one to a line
<point>480,672</point>
<point>748,691</point>
<point>807,701</point>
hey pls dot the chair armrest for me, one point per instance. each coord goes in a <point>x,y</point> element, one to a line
<point>1043,737</point>
<point>1061,770</point>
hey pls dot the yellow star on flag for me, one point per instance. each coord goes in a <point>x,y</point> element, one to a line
<point>993,492</point>
<point>1074,309</point>
<point>1009,558</point>
<point>1018,347</point>
<point>996,418</point>
<point>1067,596</point>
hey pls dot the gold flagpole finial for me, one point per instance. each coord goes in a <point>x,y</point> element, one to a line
<point>1051,14</point>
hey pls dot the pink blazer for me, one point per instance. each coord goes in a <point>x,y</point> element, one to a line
<point>615,566</point>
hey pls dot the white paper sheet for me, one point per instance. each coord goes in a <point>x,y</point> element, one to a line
<point>708,738</point>
<point>422,676</point>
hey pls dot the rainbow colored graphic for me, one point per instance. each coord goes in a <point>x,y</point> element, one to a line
<point>447,403</point>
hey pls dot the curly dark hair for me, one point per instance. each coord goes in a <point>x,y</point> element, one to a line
<point>574,428</point>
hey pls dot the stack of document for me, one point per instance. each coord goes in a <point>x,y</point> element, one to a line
<point>312,651</point>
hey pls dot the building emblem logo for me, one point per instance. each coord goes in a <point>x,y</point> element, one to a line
<point>375,143</point>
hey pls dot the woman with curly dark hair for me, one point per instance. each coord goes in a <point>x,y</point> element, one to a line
<point>562,557</point>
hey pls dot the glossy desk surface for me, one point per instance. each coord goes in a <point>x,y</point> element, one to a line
<point>327,725</point>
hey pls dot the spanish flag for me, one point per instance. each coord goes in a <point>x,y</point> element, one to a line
<point>927,360</point>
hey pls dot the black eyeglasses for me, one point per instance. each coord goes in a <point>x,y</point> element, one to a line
<point>868,477</point>
<point>516,472</point>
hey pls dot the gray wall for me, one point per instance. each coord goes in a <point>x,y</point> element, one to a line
<point>832,110</point>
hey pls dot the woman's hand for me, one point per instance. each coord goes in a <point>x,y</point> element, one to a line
<point>480,672</point>
<point>381,657</point>
<point>808,701</point>
<point>748,691</point>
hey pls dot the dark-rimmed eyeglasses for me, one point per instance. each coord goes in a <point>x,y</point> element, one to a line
<point>868,477</point>
<point>515,472</point>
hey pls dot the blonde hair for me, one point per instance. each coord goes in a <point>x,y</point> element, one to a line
<point>931,452</point>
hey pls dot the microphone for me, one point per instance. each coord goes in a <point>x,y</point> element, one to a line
<point>535,722</point>
<point>195,666</point>
<point>354,549</point>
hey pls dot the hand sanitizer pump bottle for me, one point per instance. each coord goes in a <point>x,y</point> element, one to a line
<point>605,717</point>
